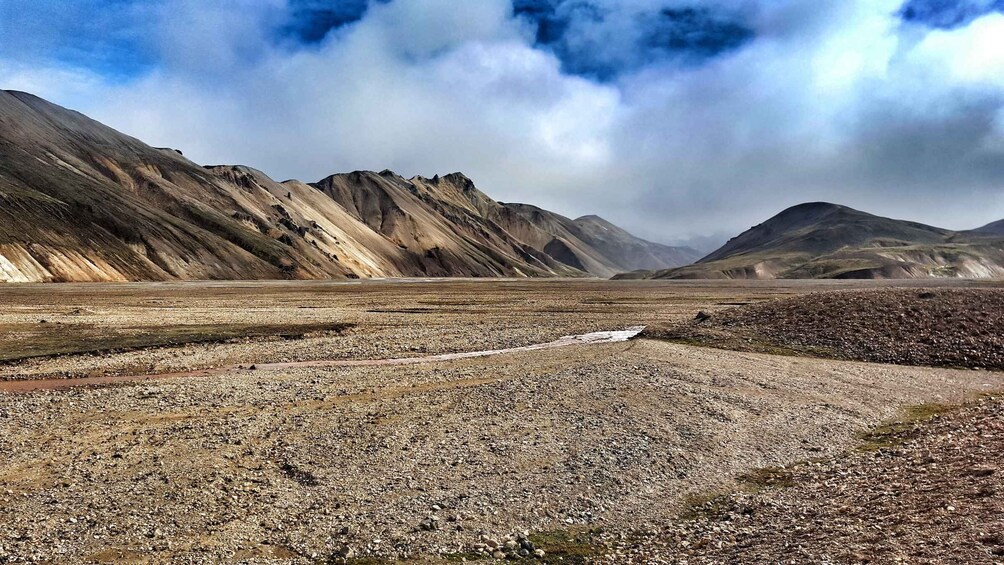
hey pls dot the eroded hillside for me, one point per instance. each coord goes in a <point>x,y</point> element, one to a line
<point>83,202</point>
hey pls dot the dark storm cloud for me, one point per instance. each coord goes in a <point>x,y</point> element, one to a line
<point>897,144</point>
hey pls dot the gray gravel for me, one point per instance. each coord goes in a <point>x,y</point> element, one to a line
<point>306,464</point>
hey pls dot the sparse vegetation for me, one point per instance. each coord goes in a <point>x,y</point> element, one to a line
<point>895,432</point>
<point>570,546</point>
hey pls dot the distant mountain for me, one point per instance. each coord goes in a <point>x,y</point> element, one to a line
<point>993,228</point>
<point>80,201</point>
<point>628,251</point>
<point>593,244</point>
<point>822,240</point>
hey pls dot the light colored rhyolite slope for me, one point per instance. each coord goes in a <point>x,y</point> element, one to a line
<point>457,218</point>
<point>80,201</point>
<point>439,229</point>
<point>822,240</point>
<point>628,251</point>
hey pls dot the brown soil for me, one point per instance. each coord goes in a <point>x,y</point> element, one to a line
<point>941,327</point>
<point>119,329</point>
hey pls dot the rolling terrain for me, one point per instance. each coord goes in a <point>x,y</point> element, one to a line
<point>83,202</point>
<point>822,240</point>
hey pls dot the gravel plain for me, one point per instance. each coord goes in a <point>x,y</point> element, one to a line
<point>924,491</point>
<point>429,462</point>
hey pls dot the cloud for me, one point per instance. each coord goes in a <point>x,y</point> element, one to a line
<point>847,113</point>
<point>674,118</point>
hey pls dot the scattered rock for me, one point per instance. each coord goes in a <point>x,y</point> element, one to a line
<point>950,327</point>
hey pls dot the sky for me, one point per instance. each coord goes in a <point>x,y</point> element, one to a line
<point>685,121</point>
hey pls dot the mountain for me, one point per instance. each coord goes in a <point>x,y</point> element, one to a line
<point>439,224</point>
<point>80,201</point>
<point>993,228</point>
<point>593,244</point>
<point>822,240</point>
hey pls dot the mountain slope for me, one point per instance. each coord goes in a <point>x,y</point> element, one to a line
<point>993,228</point>
<point>80,201</point>
<point>75,196</point>
<point>592,244</point>
<point>631,252</point>
<point>822,240</point>
<point>83,202</point>
<point>436,226</point>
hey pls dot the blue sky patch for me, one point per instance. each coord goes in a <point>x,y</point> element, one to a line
<point>695,33</point>
<point>947,14</point>
<point>106,35</point>
<point>311,20</point>
<point>574,31</point>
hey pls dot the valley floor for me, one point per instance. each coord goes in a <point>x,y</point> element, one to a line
<point>430,461</point>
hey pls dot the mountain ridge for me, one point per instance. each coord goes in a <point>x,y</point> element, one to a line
<point>826,240</point>
<point>84,202</point>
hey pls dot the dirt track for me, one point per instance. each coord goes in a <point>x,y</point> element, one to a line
<point>314,463</point>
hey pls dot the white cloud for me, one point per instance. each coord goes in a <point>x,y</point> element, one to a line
<point>971,54</point>
<point>72,87</point>
<point>834,99</point>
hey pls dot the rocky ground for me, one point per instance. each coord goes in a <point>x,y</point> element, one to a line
<point>242,322</point>
<point>466,459</point>
<point>944,327</point>
<point>926,491</point>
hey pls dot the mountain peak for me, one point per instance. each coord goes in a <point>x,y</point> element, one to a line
<point>811,212</point>
<point>461,180</point>
<point>816,206</point>
<point>598,224</point>
<point>825,240</point>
